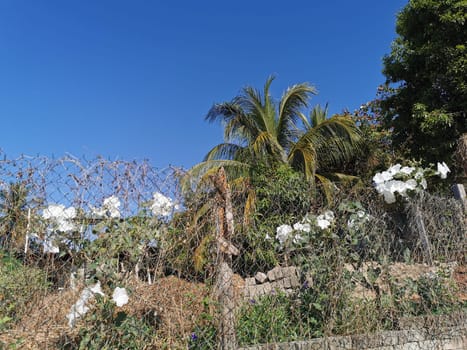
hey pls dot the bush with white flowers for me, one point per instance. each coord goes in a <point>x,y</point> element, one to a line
<point>81,307</point>
<point>300,231</point>
<point>404,180</point>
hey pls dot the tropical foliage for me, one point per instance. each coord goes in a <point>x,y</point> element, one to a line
<point>259,130</point>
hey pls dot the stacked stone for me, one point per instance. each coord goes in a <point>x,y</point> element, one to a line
<point>279,279</point>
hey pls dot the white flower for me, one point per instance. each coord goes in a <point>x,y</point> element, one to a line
<point>423,183</point>
<point>329,215</point>
<point>267,237</point>
<point>394,169</point>
<point>397,186</point>
<point>325,220</point>
<point>382,177</point>
<point>322,222</point>
<point>162,205</point>
<point>407,170</point>
<point>60,216</point>
<point>112,205</point>
<point>80,308</point>
<point>389,196</point>
<point>110,208</point>
<point>302,227</point>
<point>411,184</point>
<point>443,170</point>
<point>96,289</point>
<point>120,296</point>
<point>283,232</point>
<point>358,218</point>
<point>297,239</point>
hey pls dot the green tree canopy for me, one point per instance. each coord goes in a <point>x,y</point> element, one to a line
<point>426,71</point>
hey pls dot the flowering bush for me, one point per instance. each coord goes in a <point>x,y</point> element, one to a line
<point>405,180</point>
<point>80,308</point>
<point>300,232</point>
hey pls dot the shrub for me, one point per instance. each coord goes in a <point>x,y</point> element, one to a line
<point>19,286</point>
<point>105,328</point>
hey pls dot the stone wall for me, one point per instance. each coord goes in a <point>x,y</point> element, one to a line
<point>283,279</point>
<point>446,336</point>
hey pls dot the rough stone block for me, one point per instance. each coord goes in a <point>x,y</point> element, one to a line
<point>275,274</point>
<point>294,281</point>
<point>267,288</point>
<point>261,277</point>
<point>250,281</point>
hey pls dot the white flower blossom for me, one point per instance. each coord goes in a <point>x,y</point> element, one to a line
<point>357,218</point>
<point>325,220</point>
<point>110,208</point>
<point>418,174</point>
<point>423,183</point>
<point>443,170</point>
<point>120,296</point>
<point>306,227</point>
<point>297,239</point>
<point>112,205</point>
<point>283,232</point>
<point>407,170</point>
<point>60,216</point>
<point>162,205</point>
<point>387,186</point>
<point>382,177</point>
<point>395,169</point>
<point>322,222</point>
<point>329,215</point>
<point>80,308</point>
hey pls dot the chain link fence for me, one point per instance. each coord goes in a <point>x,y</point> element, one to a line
<point>264,260</point>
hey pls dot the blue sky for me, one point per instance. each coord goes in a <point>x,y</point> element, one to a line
<point>134,79</point>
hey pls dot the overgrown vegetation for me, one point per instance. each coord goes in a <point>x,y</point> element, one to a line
<point>367,220</point>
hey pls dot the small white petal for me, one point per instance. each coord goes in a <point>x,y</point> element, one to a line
<point>443,170</point>
<point>120,296</point>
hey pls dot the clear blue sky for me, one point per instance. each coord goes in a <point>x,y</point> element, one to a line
<point>134,79</point>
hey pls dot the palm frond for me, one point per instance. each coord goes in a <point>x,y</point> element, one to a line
<point>249,208</point>
<point>224,111</point>
<point>317,115</point>
<point>266,144</point>
<point>223,151</point>
<point>336,140</point>
<point>303,157</point>
<point>292,101</point>
<point>343,178</point>
<point>327,186</point>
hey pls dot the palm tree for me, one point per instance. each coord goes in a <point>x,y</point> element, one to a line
<point>259,130</point>
<point>325,144</point>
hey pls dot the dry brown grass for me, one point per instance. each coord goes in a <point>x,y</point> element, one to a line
<point>176,303</point>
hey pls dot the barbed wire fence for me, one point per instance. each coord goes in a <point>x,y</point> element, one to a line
<point>234,265</point>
